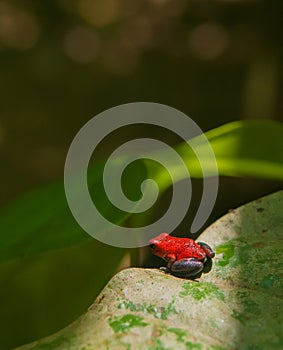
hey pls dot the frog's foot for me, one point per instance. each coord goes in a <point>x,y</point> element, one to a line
<point>187,268</point>
<point>165,269</point>
<point>194,277</point>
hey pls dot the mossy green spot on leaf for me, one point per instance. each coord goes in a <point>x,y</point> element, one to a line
<point>240,316</point>
<point>158,345</point>
<point>267,282</point>
<point>245,315</point>
<point>124,323</point>
<point>170,309</point>
<point>218,347</point>
<point>249,307</point>
<point>193,346</point>
<point>201,290</point>
<point>180,333</point>
<point>149,309</point>
<point>228,252</point>
<point>128,346</point>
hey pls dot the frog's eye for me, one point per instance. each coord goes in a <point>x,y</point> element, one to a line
<point>152,246</point>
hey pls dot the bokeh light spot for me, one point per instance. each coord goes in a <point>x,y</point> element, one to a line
<point>208,41</point>
<point>119,58</point>
<point>18,29</point>
<point>81,44</point>
<point>99,13</point>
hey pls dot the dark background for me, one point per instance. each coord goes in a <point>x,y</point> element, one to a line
<point>64,61</point>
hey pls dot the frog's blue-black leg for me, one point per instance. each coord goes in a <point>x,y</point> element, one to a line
<point>187,268</point>
<point>209,253</point>
<point>207,265</point>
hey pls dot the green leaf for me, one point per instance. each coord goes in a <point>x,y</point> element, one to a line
<point>41,221</point>
<point>242,148</point>
<point>249,148</point>
<point>37,222</point>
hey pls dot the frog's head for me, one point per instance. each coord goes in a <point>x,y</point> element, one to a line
<point>158,245</point>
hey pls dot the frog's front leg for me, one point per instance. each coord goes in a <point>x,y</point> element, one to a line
<point>170,260</point>
<point>189,267</point>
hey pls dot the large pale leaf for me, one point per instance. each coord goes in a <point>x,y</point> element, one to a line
<point>238,305</point>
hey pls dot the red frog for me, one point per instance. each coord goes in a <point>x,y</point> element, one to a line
<point>185,258</point>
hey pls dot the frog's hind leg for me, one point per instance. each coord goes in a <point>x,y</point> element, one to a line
<point>187,268</point>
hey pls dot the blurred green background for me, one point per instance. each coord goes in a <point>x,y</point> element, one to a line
<point>64,61</point>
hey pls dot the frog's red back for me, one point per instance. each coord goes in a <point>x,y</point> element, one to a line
<point>181,248</point>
